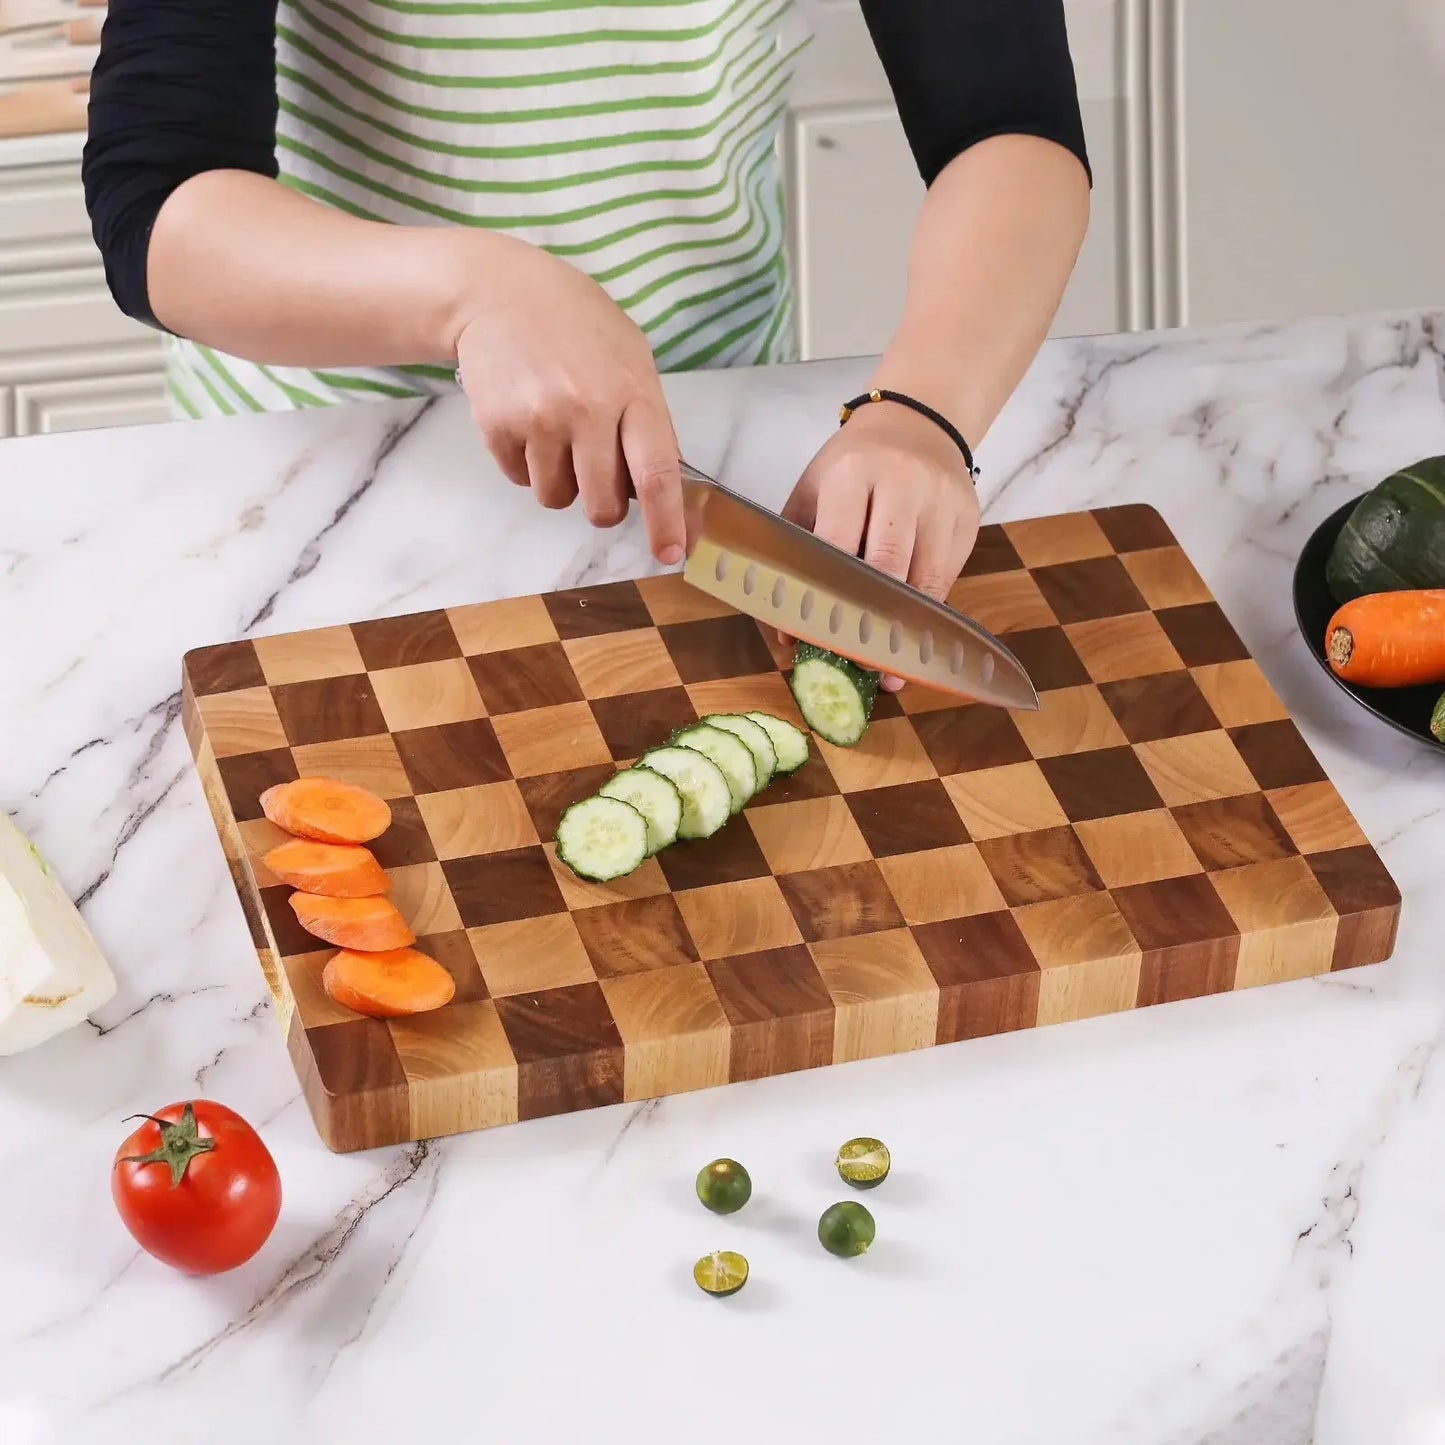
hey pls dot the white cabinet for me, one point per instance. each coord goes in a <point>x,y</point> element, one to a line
<point>1306,171</point>
<point>81,387</point>
<point>68,358</point>
<point>1253,160</point>
<point>81,402</point>
<point>854,189</point>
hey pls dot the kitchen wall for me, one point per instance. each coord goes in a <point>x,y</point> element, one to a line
<point>1254,159</point>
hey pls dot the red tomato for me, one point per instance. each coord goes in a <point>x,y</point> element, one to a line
<point>196,1187</point>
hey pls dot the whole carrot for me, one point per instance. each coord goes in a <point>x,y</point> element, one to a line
<point>1389,639</point>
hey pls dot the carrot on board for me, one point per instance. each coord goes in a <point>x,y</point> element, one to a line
<point>370,925</point>
<point>334,870</point>
<point>1389,639</point>
<point>326,810</point>
<point>386,985</point>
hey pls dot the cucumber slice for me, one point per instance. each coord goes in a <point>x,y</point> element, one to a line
<point>601,838</point>
<point>655,797</point>
<point>729,752</point>
<point>834,695</point>
<point>754,739</point>
<point>789,743</point>
<point>706,798</point>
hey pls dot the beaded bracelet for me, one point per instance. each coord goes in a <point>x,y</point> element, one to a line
<point>922,408</point>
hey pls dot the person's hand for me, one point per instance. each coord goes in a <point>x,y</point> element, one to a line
<point>564,390</point>
<point>892,486</point>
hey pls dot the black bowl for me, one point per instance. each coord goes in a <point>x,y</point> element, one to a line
<point>1406,709</point>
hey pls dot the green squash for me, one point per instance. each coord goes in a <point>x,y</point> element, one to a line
<point>1394,540</point>
<point>1437,719</point>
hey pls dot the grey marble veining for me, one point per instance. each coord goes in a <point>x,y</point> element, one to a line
<point>1216,1223</point>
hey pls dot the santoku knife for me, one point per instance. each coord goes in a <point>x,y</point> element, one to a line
<point>785,577</point>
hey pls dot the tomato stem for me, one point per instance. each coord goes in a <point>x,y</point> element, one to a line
<point>180,1143</point>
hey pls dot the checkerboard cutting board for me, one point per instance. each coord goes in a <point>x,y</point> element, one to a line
<point>1157,830</point>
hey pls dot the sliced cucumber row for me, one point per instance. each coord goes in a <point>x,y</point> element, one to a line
<point>834,695</point>
<point>685,789</point>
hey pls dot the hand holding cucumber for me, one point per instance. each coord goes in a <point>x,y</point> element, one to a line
<point>900,480</point>
<point>893,488</point>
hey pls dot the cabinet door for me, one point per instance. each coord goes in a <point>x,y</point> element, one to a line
<point>854,190</point>
<point>1308,156</point>
<point>52,285</point>
<point>83,386</point>
<point>68,358</point>
<point>76,403</point>
<point>856,194</point>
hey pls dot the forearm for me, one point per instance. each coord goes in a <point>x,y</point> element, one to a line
<point>241,263</point>
<point>994,245</point>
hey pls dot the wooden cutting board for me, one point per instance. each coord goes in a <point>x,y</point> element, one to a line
<point>1157,830</point>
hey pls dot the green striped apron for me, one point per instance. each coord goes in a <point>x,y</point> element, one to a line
<point>636,139</point>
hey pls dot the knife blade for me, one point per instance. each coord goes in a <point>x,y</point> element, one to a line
<point>783,576</point>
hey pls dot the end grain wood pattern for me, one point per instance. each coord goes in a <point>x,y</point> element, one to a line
<point>1158,830</point>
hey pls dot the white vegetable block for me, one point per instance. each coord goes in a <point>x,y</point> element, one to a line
<point>52,972</point>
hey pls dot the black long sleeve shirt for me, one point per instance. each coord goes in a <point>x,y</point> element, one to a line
<point>186,86</point>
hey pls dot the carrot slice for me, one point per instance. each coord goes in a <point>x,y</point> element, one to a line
<point>371,925</point>
<point>326,810</point>
<point>335,870</point>
<point>387,985</point>
<point>1389,639</point>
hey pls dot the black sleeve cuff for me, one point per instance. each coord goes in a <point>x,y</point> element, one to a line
<point>180,87</point>
<point>964,70</point>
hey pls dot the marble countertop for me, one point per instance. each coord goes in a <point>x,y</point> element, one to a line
<point>1220,1222</point>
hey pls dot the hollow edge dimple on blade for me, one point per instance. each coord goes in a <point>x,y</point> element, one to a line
<point>862,634</point>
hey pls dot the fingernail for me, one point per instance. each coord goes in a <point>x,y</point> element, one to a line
<point>892,684</point>
<point>670,556</point>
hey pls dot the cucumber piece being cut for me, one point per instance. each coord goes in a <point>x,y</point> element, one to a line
<point>601,838</point>
<point>754,738</point>
<point>706,798</point>
<point>729,752</point>
<point>789,743</point>
<point>655,797</point>
<point>834,695</point>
